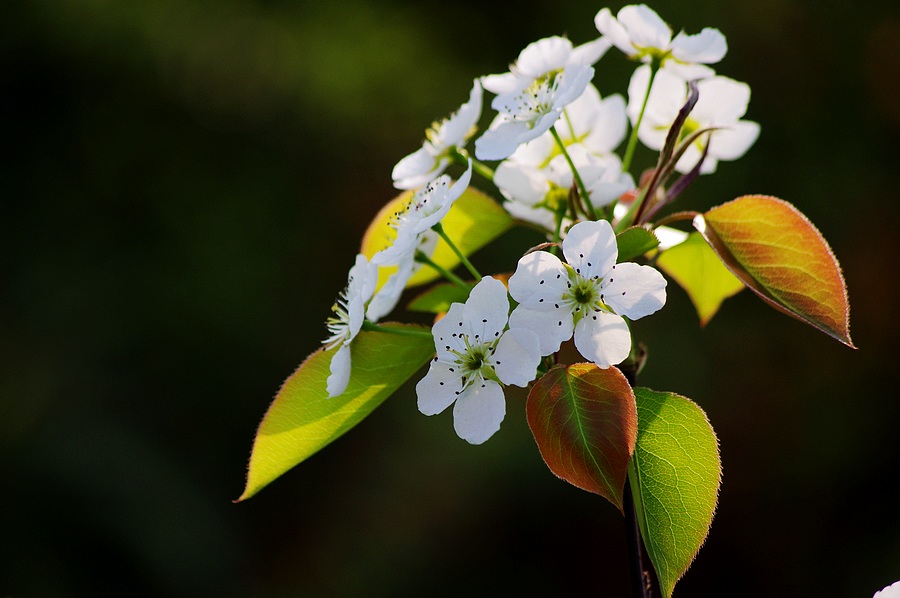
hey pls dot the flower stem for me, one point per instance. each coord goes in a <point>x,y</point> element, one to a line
<point>632,141</point>
<point>592,214</point>
<point>462,157</point>
<point>462,258</point>
<point>450,276</point>
<point>371,326</point>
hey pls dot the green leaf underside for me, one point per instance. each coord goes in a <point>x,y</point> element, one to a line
<point>698,270</point>
<point>777,252</point>
<point>473,221</point>
<point>674,476</point>
<point>438,298</point>
<point>302,419</point>
<point>634,242</point>
<point>585,424</point>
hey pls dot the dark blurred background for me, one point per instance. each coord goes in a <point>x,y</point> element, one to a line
<point>183,186</point>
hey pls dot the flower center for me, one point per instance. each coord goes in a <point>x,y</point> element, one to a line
<point>585,296</point>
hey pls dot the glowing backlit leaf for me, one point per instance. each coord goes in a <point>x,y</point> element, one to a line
<point>695,266</point>
<point>674,477</point>
<point>302,419</point>
<point>777,252</point>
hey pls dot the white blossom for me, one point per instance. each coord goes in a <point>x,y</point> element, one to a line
<point>642,35</point>
<point>430,161</point>
<point>345,324</point>
<point>721,103</point>
<point>587,297</point>
<point>597,124</point>
<point>413,224</point>
<point>548,75</point>
<point>536,194</point>
<point>476,356</point>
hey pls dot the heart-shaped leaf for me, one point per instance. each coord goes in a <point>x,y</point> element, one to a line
<point>302,419</point>
<point>585,424</point>
<point>473,221</point>
<point>777,252</point>
<point>674,476</point>
<point>699,271</point>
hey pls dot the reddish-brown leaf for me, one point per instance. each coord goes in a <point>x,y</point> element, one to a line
<point>584,420</point>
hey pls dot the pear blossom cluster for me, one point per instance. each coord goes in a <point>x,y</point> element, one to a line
<point>561,163</point>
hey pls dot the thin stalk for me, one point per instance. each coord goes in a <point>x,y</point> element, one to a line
<point>367,325</point>
<point>462,157</point>
<point>632,141</point>
<point>592,214</point>
<point>450,276</point>
<point>462,258</point>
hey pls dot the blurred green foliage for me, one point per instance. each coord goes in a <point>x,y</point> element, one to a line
<point>183,187</point>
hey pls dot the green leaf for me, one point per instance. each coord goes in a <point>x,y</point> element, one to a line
<point>585,424</point>
<point>302,419</point>
<point>438,298</point>
<point>674,476</point>
<point>473,221</point>
<point>699,271</point>
<point>774,250</point>
<point>635,241</point>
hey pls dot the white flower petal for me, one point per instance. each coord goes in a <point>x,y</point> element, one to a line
<point>590,248</point>
<point>590,52</point>
<point>645,28</point>
<point>521,183</point>
<point>722,101</point>
<point>540,280</point>
<point>553,327</point>
<point>545,55</point>
<point>517,356</point>
<point>692,156</point>
<point>733,141</point>
<point>892,591</point>
<point>387,297</point>
<point>479,411</point>
<point>501,140</point>
<point>687,71</point>
<point>448,332</point>
<point>540,216</point>
<point>707,47</point>
<point>573,81</point>
<point>502,83</point>
<point>609,127</point>
<point>603,338</point>
<point>607,24</point>
<point>634,291</point>
<point>417,169</point>
<point>455,129</point>
<point>437,390</point>
<point>487,310</point>
<point>339,377</point>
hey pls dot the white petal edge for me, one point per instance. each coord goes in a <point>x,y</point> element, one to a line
<point>339,377</point>
<point>603,338</point>
<point>479,411</point>
<point>437,390</point>
<point>517,356</point>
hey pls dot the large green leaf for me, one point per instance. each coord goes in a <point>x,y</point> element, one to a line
<point>695,266</point>
<point>674,476</point>
<point>473,221</point>
<point>777,252</point>
<point>302,419</point>
<point>585,424</point>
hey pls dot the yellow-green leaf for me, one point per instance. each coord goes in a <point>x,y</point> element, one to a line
<point>473,221</point>
<point>777,252</point>
<point>439,298</point>
<point>302,419</point>
<point>674,476</point>
<point>695,266</point>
